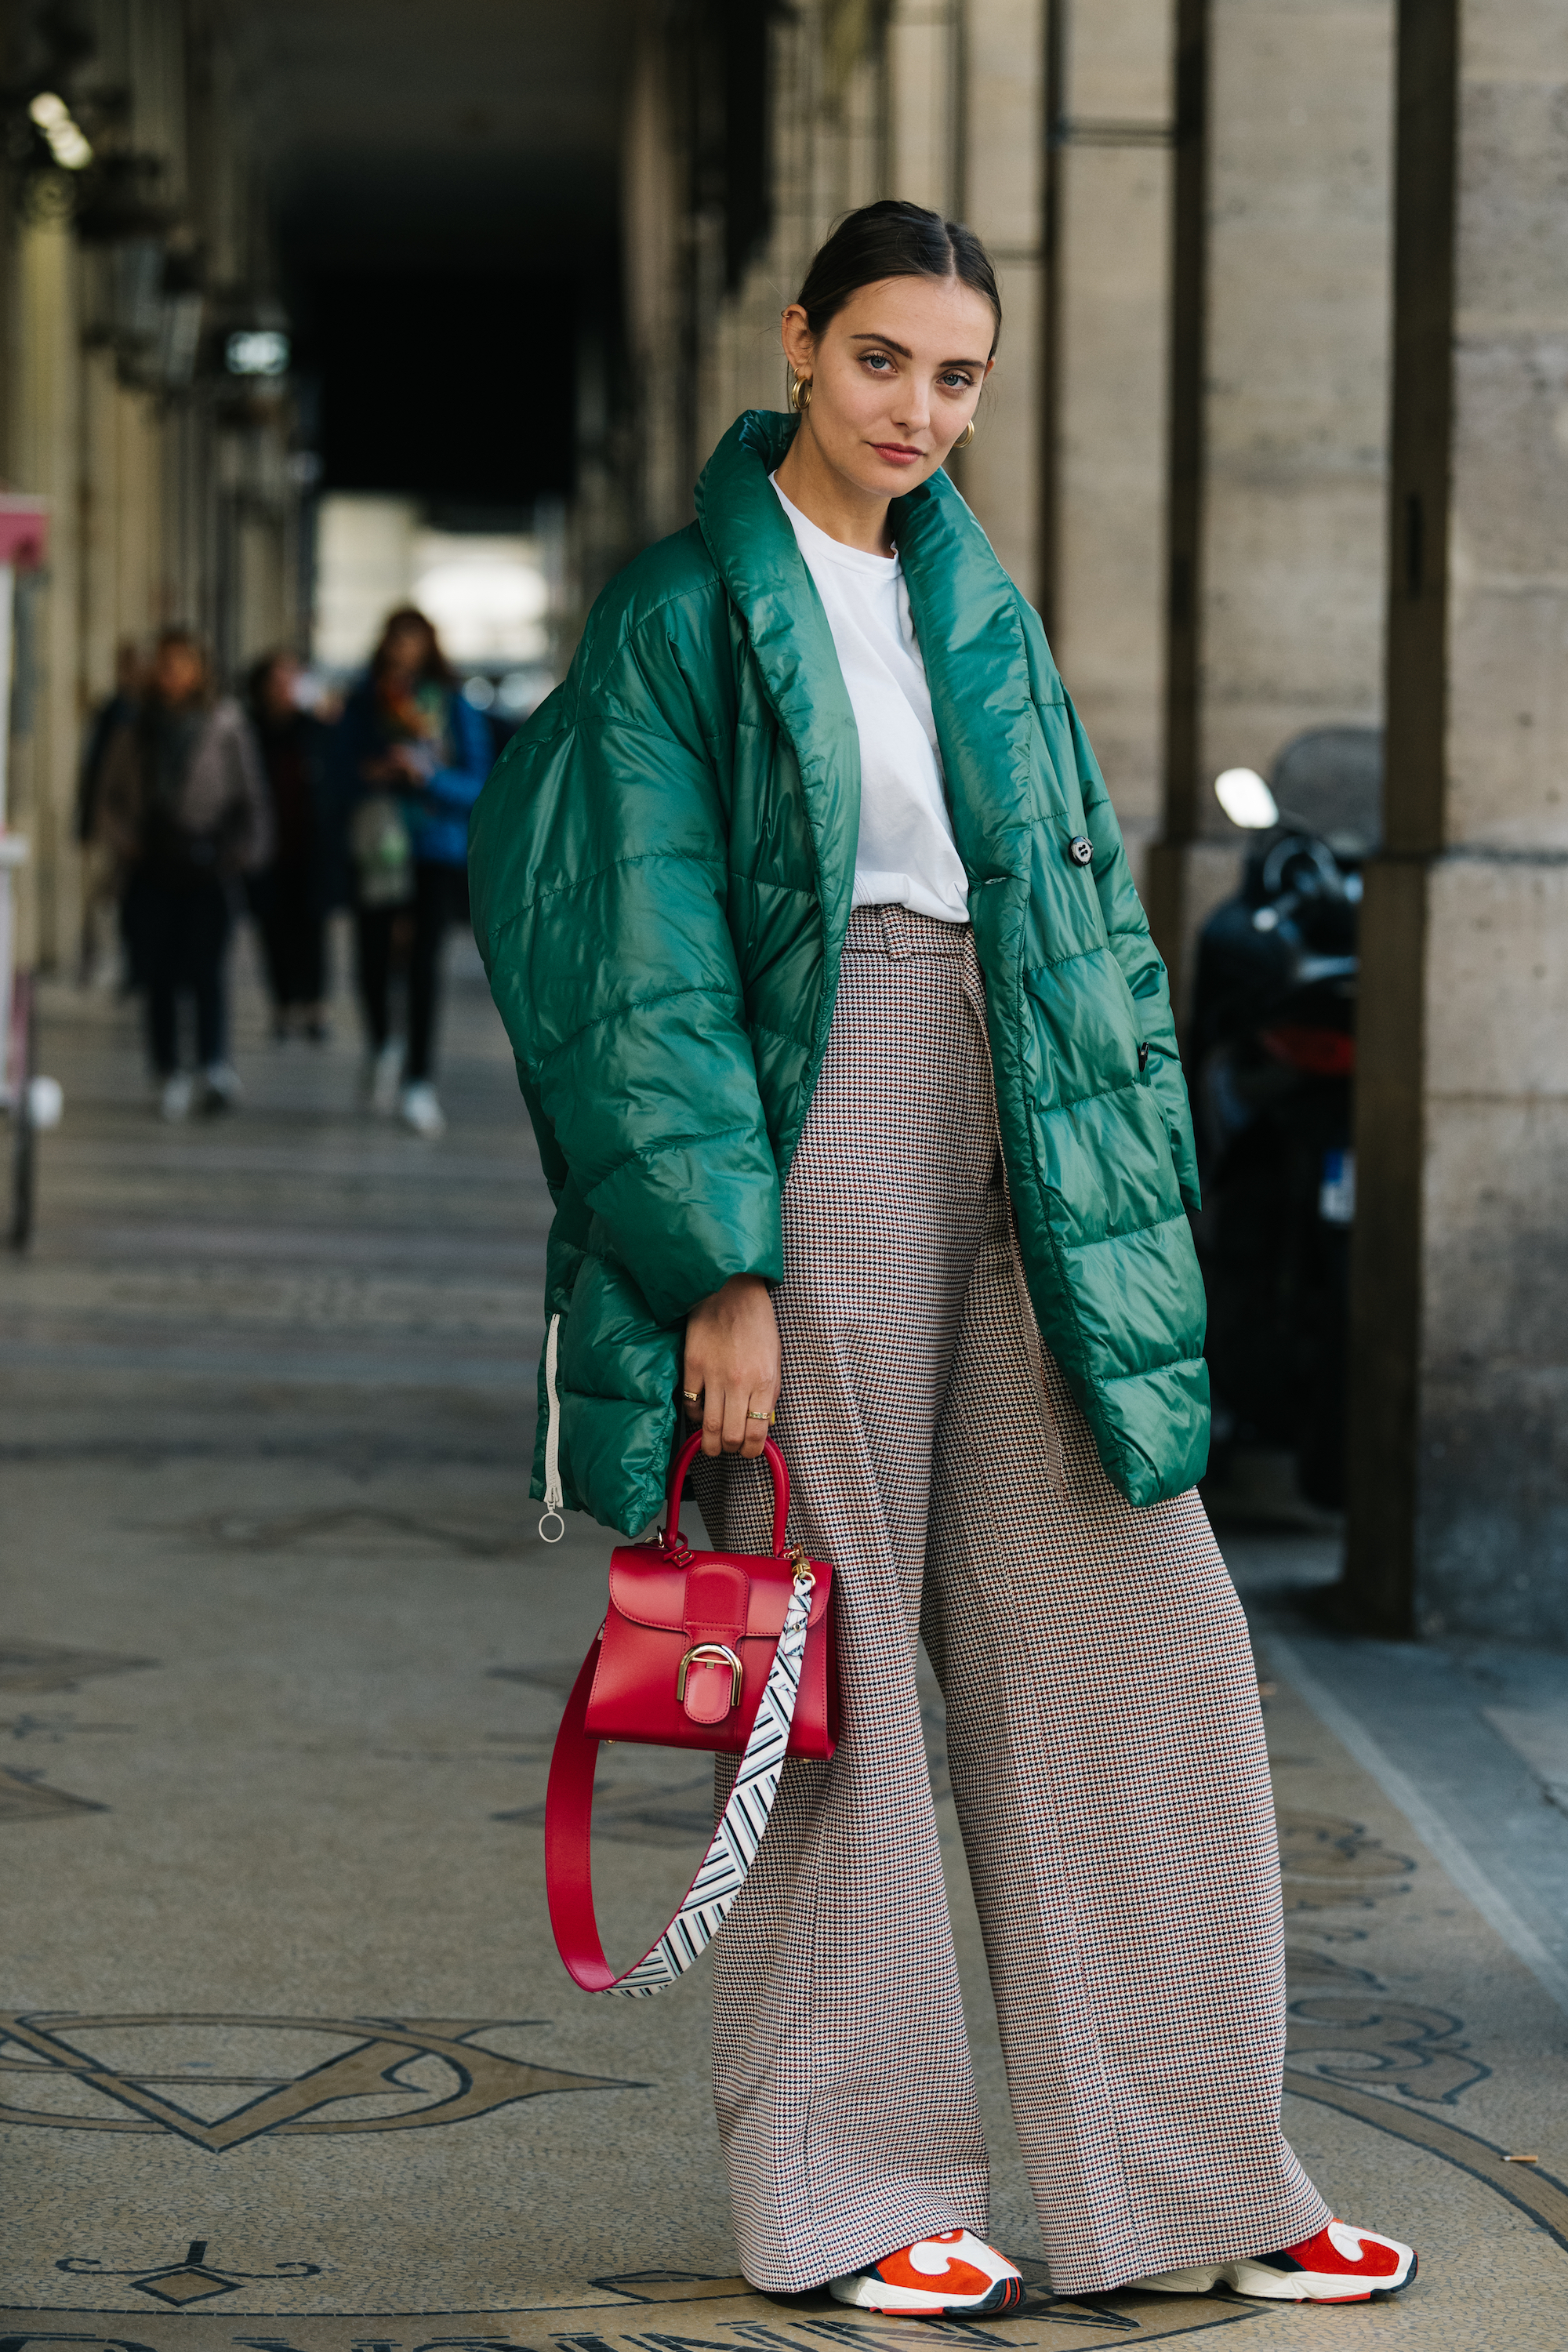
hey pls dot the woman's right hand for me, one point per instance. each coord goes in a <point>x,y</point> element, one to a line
<point>732,1366</point>
<point>398,767</point>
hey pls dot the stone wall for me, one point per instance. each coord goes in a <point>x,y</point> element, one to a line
<point>1000,194</point>
<point>1107,598</point>
<point>1184,455</point>
<point>1280,370</point>
<point>1297,430</point>
<point>1459,1444</point>
<point>166,503</point>
<point>944,104</point>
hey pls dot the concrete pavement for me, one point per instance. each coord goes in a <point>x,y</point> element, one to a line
<point>288,2060</point>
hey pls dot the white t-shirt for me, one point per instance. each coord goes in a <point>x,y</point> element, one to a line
<point>905,856</point>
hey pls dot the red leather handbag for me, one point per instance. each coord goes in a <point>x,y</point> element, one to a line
<point>730,1652</point>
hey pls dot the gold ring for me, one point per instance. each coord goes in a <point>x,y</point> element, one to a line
<point>692,1396</point>
<point>759,1416</point>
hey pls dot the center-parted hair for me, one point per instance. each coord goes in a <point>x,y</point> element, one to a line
<point>435,668</point>
<point>893,239</point>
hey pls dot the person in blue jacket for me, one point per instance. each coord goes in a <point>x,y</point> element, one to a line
<point>413,754</point>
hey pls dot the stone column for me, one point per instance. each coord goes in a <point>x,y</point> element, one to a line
<point>1102,571</point>
<point>827,147</point>
<point>1460,1396</point>
<point>925,110</point>
<point>1278,406</point>
<point>45,456</point>
<point>655,258</point>
<point>1002,153</point>
<point>102,498</point>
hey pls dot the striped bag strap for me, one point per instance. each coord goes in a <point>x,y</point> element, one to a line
<point>568,1823</point>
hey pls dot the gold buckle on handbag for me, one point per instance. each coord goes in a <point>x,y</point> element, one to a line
<point>713,1653</point>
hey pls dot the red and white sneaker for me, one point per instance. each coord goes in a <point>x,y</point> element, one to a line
<point>1339,2265</point>
<point>952,2276</point>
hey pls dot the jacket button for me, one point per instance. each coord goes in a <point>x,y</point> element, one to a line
<point>1081,849</point>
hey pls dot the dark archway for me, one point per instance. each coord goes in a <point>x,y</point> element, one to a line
<point>443,185</point>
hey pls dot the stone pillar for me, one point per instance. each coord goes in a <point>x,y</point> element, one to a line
<point>926,116</point>
<point>1459,1514</point>
<point>101,524</point>
<point>655,258</point>
<point>1002,151</point>
<point>46,457</point>
<point>142,598</point>
<point>1103,492</point>
<point>827,139</point>
<point>1278,406</point>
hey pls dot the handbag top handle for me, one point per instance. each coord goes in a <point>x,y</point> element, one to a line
<point>670,1535</point>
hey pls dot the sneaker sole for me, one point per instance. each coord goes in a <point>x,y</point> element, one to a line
<point>1313,2286</point>
<point>1261,2285</point>
<point>1005,2295</point>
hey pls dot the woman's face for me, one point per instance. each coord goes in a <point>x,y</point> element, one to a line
<point>277,690</point>
<point>177,672</point>
<point>895,377</point>
<point>407,650</point>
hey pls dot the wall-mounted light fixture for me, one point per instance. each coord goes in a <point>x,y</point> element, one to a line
<point>256,351</point>
<point>1246,799</point>
<point>69,144</point>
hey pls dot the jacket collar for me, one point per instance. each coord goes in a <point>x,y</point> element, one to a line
<point>971,632</point>
<point>748,535</point>
<point>970,637</point>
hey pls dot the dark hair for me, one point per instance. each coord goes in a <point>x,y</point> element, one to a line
<point>892,239</point>
<point>260,671</point>
<point>435,668</point>
<point>192,644</point>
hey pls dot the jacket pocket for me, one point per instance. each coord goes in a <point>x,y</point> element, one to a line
<point>1087,1028</point>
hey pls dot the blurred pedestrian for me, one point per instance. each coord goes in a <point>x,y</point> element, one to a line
<point>184,801</point>
<point>288,896</point>
<point>102,874</point>
<point>416,754</point>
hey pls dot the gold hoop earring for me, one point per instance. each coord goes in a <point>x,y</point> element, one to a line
<point>966,437</point>
<point>800,395</point>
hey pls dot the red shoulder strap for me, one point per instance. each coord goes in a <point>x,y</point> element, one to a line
<point>568,1835</point>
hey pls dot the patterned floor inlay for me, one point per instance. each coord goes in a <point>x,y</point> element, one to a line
<point>426,2072</point>
<point>677,2316</point>
<point>49,1666</point>
<point>188,2282</point>
<point>25,1797</point>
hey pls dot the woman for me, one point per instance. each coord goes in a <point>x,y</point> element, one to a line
<point>289,899</point>
<point>415,754</point>
<point>856,1083</point>
<point>183,803</point>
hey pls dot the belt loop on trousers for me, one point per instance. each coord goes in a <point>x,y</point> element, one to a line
<point>895,932</point>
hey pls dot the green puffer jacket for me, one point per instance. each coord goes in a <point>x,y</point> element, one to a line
<point>662,866</point>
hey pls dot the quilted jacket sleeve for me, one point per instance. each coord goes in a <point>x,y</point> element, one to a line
<point>599,864</point>
<point>1127,928</point>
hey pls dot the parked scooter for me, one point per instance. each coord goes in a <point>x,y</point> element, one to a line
<point>1272,1051</point>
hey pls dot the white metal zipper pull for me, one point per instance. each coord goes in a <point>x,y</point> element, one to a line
<point>553,1497</point>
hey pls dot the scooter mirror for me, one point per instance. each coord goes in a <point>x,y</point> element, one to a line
<point>1246,799</point>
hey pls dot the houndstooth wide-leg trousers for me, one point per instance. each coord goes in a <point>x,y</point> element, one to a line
<point>1104,1736</point>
